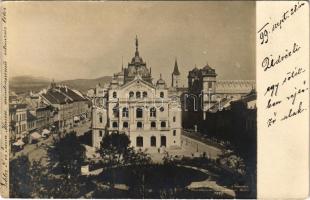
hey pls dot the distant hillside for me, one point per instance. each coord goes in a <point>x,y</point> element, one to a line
<point>22,84</point>
<point>84,84</point>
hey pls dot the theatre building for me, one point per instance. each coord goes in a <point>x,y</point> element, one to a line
<point>136,106</point>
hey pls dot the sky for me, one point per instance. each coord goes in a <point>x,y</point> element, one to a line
<point>69,40</point>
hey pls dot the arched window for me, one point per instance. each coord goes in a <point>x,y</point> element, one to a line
<point>114,95</point>
<point>139,124</point>
<point>139,141</point>
<point>153,141</point>
<point>153,112</point>
<point>125,125</point>
<point>153,124</point>
<point>144,94</point>
<point>139,113</point>
<point>131,94</point>
<point>161,94</point>
<point>125,112</point>
<point>163,124</point>
<point>138,95</point>
<point>114,124</point>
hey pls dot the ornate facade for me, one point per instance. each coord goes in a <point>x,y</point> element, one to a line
<point>134,105</point>
<point>206,92</point>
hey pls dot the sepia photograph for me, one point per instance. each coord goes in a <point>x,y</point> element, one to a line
<point>132,100</point>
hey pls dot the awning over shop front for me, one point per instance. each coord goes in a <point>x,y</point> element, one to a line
<point>46,131</point>
<point>19,143</point>
<point>35,135</point>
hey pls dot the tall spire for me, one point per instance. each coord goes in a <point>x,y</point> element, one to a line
<point>176,68</point>
<point>137,44</point>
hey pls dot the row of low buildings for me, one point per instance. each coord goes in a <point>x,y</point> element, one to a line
<point>152,113</point>
<point>25,120</point>
<point>57,107</point>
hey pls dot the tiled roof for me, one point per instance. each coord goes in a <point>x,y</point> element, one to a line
<point>55,97</point>
<point>61,95</point>
<point>70,93</point>
<point>44,108</point>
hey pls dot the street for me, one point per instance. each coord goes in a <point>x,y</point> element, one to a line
<point>38,151</point>
<point>190,147</point>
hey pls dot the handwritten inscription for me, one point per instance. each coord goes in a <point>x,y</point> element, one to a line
<point>4,133</point>
<point>271,27</point>
<point>284,98</point>
<point>270,61</point>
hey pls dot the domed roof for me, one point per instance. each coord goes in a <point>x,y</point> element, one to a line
<point>136,59</point>
<point>207,68</point>
<point>194,72</point>
<point>160,81</point>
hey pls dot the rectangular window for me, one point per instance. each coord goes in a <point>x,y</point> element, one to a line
<point>173,118</point>
<point>100,119</point>
<point>174,132</point>
<point>100,133</point>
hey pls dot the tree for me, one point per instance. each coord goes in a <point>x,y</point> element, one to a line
<point>113,148</point>
<point>20,177</point>
<point>67,155</point>
<point>116,153</point>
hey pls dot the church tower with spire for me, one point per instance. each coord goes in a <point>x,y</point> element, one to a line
<point>175,76</point>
